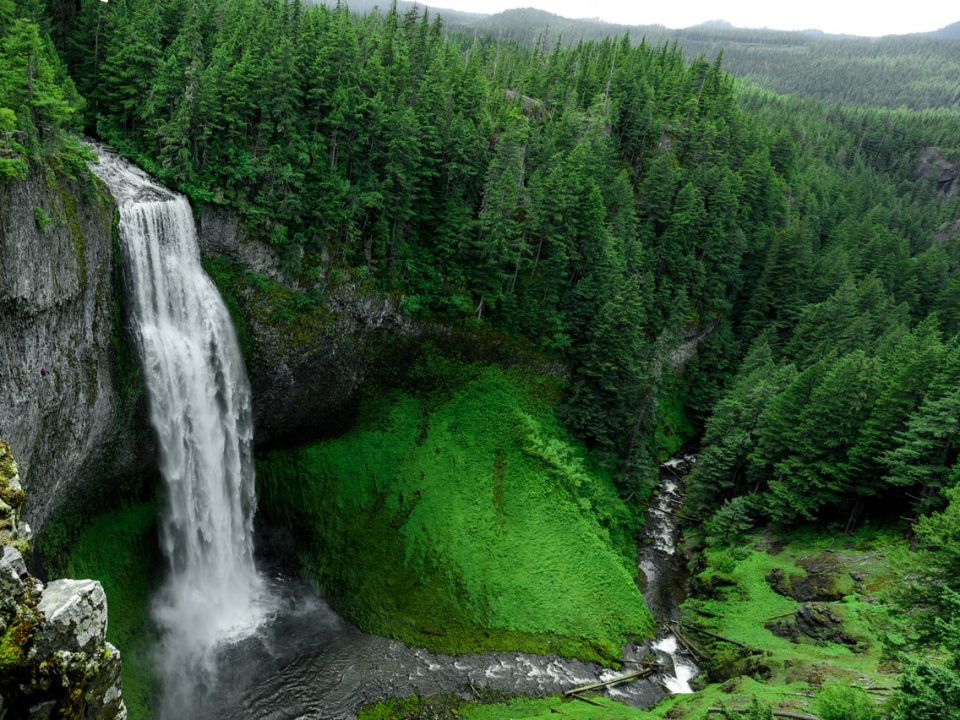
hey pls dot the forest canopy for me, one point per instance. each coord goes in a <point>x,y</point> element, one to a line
<point>604,201</point>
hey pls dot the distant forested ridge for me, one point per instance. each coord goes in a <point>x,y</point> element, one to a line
<point>908,71</point>
<point>920,71</point>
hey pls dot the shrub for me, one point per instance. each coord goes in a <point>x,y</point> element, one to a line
<point>731,522</point>
<point>842,702</point>
<point>41,217</point>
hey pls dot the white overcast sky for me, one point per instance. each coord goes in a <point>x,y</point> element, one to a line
<point>857,17</point>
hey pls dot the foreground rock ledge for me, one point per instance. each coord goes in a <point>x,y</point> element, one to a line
<point>55,661</point>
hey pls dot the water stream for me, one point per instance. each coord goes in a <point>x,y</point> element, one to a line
<point>664,572</point>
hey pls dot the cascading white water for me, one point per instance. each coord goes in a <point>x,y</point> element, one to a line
<point>200,408</point>
<point>662,532</point>
<point>683,670</point>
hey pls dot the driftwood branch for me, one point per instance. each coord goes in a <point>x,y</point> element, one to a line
<point>585,699</point>
<point>612,681</point>
<point>691,648</point>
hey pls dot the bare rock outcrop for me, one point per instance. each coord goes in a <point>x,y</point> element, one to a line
<point>934,164</point>
<point>71,401</point>
<point>54,657</point>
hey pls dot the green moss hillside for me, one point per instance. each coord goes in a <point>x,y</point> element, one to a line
<point>464,518</point>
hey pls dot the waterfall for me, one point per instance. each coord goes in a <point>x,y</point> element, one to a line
<point>200,408</point>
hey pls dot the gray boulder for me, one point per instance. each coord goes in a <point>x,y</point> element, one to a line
<point>75,617</point>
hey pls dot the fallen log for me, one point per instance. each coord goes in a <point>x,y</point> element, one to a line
<point>585,699</point>
<point>718,637</point>
<point>612,681</point>
<point>776,713</point>
<point>668,512</point>
<point>691,648</point>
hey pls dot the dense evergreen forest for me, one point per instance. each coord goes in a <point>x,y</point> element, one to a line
<point>606,203</point>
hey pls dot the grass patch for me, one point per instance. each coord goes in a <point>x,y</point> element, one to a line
<point>741,602</point>
<point>553,707</point>
<point>737,693</point>
<point>120,550</point>
<point>464,519</point>
<point>413,706</point>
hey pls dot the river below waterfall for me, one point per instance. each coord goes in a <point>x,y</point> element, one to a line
<point>309,663</point>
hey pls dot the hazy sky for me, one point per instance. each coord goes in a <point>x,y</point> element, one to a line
<point>838,16</point>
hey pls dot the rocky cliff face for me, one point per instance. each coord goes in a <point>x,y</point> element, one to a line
<point>305,366</point>
<point>935,165</point>
<point>54,658</point>
<point>70,403</point>
<point>307,363</point>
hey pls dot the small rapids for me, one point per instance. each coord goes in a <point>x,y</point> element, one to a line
<point>683,670</point>
<point>665,576</point>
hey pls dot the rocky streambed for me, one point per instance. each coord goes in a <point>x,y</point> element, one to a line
<point>310,663</point>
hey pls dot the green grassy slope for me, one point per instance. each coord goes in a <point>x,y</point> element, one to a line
<point>464,518</point>
<point>743,602</point>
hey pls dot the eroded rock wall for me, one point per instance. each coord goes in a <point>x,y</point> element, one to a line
<point>305,366</point>
<point>70,399</point>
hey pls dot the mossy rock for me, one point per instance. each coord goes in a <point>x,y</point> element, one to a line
<point>8,466</point>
